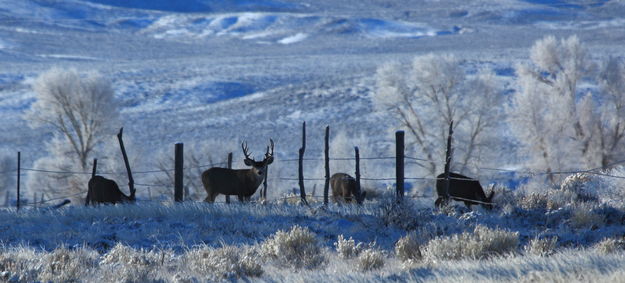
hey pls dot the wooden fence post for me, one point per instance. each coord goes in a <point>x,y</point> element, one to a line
<point>399,165</point>
<point>357,153</point>
<point>302,191</point>
<point>448,155</point>
<point>326,187</point>
<point>178,171</point>
<point>19,165</point>
<point>131,181</point>
<point>95,167</point>
<point>229,164</point>
<point>263,192</point>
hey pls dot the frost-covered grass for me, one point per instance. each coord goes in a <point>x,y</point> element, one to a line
<point>226,263</point>
<point>378,241</point>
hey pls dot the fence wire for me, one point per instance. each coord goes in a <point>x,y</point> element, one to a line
<point>414,160</point>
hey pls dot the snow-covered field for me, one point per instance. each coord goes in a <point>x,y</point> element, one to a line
<point>226,71</point>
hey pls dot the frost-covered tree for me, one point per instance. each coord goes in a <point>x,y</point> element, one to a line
<point>427,95</point>
<point>558,125</point>
<point>80,110</point>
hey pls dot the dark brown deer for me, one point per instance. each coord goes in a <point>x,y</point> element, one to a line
<point>462,188</point>
<point>344,188</point>
<point>106,191</point>
<point>242,183</point>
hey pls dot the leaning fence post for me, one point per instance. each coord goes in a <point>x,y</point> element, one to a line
<point>399,165</point>
<point>302,191</point>
<point>448,155</point>
<point>131,181</point>
<point>359,198</point>
<point>178,168</point>
<point>229,164</point>
<point>326,187</point>
<point>19,165</point>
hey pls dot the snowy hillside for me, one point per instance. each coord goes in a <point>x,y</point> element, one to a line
<point>213,73</point>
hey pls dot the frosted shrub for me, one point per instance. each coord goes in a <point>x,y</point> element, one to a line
<point>125,264</point>
<point>19,265</point>
<point>482,243</point>
<point>347,248</point>
<point>407,249</point>
<point>400,215</point>
<point>582,217</point>
<point>298,248</point>
<point>370,259</point>
<point>541,247</point>
<point>576,183</point>
<point>121,254</point>
<point>63,265</point>
<point>503,196</point>
<point>607,246</point>
<point>533,201</point>
<point>225,262</point>
<point>559,198</point>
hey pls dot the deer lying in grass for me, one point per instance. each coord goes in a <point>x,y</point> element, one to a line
<point>242,183</point>
<point>344,187</point>
<point>462,188</point>
<point>106,191</point>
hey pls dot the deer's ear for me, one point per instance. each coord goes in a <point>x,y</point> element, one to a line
<point>270,160</point>
<point>248,162</point>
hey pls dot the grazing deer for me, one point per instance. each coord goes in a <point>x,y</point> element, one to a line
<point>462,188</point>
<point>242,183</point>
<point>344,186</point>
<point>102,190</point>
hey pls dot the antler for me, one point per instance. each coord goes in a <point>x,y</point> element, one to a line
<point>244,147</point>
<point>267,155</point>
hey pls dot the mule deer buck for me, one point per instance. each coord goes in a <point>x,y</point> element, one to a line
<point>106,191</point>
<point>462,188</point>
<point>344,187</point>
<point>242,183</point>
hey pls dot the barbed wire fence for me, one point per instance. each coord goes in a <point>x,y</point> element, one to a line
<point>400,160</point>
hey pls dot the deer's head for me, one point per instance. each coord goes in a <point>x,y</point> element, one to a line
<point>259,168</point>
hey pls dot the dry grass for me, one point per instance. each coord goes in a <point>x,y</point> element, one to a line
<point>541,247</point>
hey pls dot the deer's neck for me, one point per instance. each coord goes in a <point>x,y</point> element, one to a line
<point>257,178</point>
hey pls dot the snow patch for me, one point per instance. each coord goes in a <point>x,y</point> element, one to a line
<point>68,57</point>
<point>293,39</point>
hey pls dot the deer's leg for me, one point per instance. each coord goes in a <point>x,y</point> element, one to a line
<point>336,199</point>
<point>211,196</point>
<point>441,201</point>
